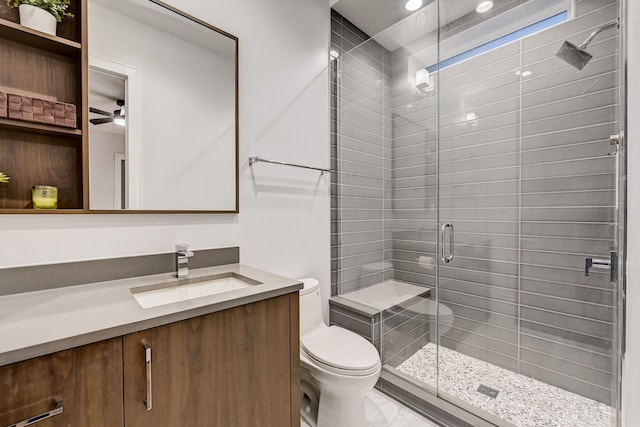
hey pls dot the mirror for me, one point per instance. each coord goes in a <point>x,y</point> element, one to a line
<point>163,110</point>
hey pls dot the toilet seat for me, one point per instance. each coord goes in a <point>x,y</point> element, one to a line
<point>340,351</point>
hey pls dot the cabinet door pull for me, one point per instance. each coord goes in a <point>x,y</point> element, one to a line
<point>29,421</point>
<point>147,359</point>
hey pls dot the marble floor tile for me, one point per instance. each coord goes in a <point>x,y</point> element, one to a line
<point>521,400</point>
<point>382,411</point>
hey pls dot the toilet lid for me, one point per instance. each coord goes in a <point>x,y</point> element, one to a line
<point>309,284</point>
<point>343,350</point>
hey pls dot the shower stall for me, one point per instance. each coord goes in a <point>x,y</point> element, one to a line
<point>477,206</point>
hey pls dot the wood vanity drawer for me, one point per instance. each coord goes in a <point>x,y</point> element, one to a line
<point>86,381</point>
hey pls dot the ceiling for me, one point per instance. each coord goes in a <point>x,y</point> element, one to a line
<point>172,23</point>
<point>374,16</point>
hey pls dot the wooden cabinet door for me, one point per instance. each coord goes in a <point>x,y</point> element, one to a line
<point>232,368</point>
<point>86,380</point>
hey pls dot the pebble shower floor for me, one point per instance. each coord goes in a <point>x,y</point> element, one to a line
<point>521,400</point>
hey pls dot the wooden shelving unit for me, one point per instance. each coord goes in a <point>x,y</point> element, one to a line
<point>38,128</point>
<point>37,153</point>
<point>15,32</point>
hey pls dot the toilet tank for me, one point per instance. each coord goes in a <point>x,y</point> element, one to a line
<point>310,306</point>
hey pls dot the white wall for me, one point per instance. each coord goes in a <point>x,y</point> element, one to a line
<point>283,225</point>
<point>102,149</point>
<point>631,361</point>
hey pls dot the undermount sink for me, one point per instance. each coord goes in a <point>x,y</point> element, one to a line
<point>191,288</point>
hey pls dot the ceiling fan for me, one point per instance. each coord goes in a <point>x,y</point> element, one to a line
<point>118,116</point>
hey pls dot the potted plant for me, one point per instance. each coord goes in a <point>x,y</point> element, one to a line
<point>42,15</point>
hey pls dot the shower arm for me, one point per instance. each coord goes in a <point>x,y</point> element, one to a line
<point>596,32</point>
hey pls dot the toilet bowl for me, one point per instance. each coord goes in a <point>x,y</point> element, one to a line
<point>337,367</point>
<point>440,314</point>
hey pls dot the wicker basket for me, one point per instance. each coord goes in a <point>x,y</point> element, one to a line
<point>42,111</point>
<point>3,104</point>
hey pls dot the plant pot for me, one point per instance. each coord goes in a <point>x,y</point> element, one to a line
<point>37,19</point>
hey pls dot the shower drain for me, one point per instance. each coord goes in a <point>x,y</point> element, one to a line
<point>488,391</point>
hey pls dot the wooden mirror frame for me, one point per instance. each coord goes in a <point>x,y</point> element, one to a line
<point>53,155</point>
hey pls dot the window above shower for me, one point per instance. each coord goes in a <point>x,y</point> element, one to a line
<point>393,27</point>
<point>460,40</point>
<point>439,35</point>
<point>500,41</point>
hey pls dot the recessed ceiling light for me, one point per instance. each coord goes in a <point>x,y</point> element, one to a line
<point>526,73</point>
<point>334,54</point>
<point>484,6</point>
<point>412,5</point>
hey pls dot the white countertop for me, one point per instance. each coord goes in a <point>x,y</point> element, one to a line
<point>37,323</point>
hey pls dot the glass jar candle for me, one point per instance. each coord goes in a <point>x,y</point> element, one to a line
<point>44,197</point>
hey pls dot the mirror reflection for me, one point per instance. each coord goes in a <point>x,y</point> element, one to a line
<point>163,110</point>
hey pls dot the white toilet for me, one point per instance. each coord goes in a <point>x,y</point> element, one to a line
<point>337,367</point>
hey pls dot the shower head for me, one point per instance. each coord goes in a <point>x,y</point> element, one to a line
<point>573,55</point>
<point>577,56</point>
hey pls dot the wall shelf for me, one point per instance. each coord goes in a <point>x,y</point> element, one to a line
<point>34,153</point>
<point>37,128</point>
<point>44,211</point>
<point>15,32</point>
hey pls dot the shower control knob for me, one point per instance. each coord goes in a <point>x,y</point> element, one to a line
<point>595,263</point>
<point>607,263</point>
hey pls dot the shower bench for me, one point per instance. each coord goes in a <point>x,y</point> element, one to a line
<point>390,315</point>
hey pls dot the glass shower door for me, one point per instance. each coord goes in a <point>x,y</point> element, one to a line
<point>526,195</point>
<point>479,217</point>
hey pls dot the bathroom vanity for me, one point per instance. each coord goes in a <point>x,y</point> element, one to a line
<point>229,359</point>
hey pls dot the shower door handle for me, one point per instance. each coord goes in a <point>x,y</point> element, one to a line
<point>443,231</point>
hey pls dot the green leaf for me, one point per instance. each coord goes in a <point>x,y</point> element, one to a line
<point>58,8</point>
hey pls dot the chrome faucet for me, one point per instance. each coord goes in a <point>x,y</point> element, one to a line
<point>183,253</point>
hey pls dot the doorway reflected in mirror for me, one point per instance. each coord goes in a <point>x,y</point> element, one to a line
<point>107,139</point>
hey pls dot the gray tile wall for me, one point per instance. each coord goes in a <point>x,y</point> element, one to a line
<point>404,330</point>
<point>528,186</point>
<point>360,128</point>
